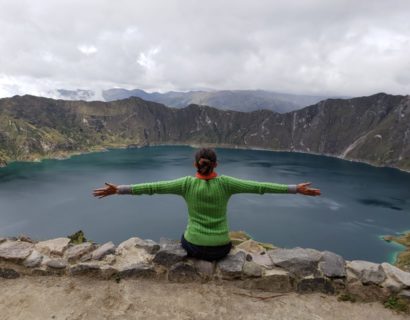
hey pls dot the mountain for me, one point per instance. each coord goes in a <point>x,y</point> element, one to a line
<point>374,129</point>
<point>238,100</point>
<point>78,94</point>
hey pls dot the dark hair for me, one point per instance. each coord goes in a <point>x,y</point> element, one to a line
<point>205,159</point>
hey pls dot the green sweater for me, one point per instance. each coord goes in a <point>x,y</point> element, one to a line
<point>207,202</point>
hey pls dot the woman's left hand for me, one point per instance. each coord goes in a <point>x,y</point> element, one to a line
<point>305,190</point>
<point>109,190</point>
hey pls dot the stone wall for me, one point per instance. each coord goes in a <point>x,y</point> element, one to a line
<point>249,265</point>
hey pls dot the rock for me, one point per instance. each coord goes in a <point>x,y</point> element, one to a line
<point>231,266</point>
<point>263,259</point>
<point>25,238</point>
<point>396,279</point>
<point>85,269</point>
<point>8,273</point>
<point>312,284</point>
<point>56,263</point>
<point>33,260</point>
<point>75,252</point>
<point>251,246</point>
<point>15,251</point>
<point>110,259</point>
<point>404,294</point>
<point>300,262</point>
<point>183,272</point>
<point>274,280</point>
<point>203,267</point>
<point>252,269</point>
<point>332,265</point>
<point>101,252</point>
<point>170,253</point>
<point>368,293</point>
<point>53,246</point>
<point>138,270</point>
<point>2,240</point>
<point>149,245</point>
<point>367,272</point>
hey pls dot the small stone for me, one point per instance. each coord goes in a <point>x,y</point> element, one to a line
<point>252,269</point>
<point>367,272</point>
<point>53,246</point>
<point>183,272</point>
<point>101,252</point>
<point>33,260</point>
<point>149,245</point>
<point>394,273</point>
<point>8,273</point>
<point>274,280</point>
<point>170,253</point>
<point>332,265</point>
<point>56,263</point>
<point>300,262</point>
<point>25,238</point>
<point>75,252</point>
<point>312,284</point>
<point>231,266</point>
<point>137,270</point>
<point>85,269</point>
<point>15,250</point>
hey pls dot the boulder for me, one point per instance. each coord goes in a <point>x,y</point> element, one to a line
<point>332,265</point>
<point>252,269</point>
<point>300,262</point>
<point>137,270</point>
<point>230,267</point>
<point>367,272</point>
<point>56,263</point>
<point>8,273</point>
<point>397,279</point>
<point>75,252</point>
<point>53,246</point>
<point>183,272</point>
<point>33,260</point>
<point>101,252</point>
<point>170,253</point>
<point>274,280</point>
<point>314,284</point>
<point>15,251</point>
<point>149,245</point>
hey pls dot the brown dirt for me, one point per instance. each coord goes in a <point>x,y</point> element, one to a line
<point>84,298</point>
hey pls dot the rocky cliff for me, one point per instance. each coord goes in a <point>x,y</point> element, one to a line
<point>374,129</point>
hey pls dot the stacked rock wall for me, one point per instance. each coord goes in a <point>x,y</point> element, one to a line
<point>247,266</point>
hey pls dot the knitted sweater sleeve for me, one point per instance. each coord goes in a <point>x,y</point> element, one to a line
<point>176,186</point>
<point>235,185</point>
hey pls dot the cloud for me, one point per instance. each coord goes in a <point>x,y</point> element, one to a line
<point>340,47</point>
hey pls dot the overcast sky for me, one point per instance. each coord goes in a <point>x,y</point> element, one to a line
<point>325,47</point>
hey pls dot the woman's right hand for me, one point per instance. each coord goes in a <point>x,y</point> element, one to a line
<point>305,190</point>
<point>109,190</point>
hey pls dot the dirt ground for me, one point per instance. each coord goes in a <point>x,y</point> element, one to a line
<point>84,298</point>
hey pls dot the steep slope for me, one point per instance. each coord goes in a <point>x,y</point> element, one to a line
<point>374,129</point>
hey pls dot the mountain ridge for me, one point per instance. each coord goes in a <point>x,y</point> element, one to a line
<point>373,129</point>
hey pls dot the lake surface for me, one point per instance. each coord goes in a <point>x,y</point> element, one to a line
<point>359,202</point>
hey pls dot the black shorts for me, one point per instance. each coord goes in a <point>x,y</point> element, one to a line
<point>208,253</point>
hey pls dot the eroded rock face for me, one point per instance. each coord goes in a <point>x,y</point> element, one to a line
<point>15,251</point>
<point>300,262</point>
<point>367,272</point>
<point>53,246</point>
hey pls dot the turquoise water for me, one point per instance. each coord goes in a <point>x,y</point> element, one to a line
<point>358,203</point>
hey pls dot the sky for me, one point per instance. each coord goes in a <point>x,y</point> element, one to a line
<point>315,47</point>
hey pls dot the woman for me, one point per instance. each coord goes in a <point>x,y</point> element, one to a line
<point>207,235</point>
